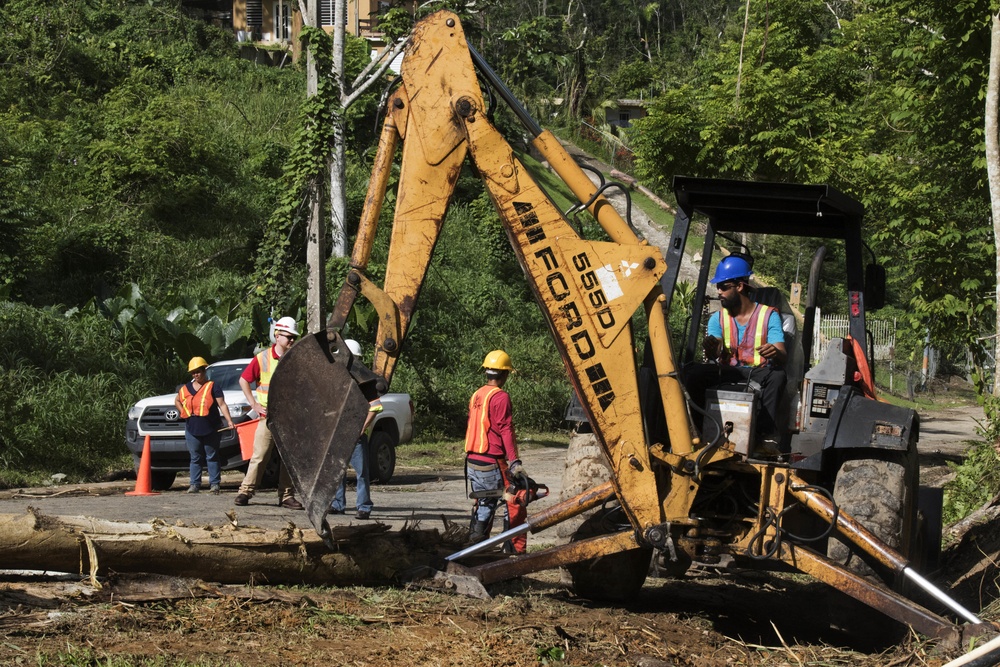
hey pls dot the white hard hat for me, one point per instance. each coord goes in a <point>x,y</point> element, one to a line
<point>354,346</point>
<point>287,324</point>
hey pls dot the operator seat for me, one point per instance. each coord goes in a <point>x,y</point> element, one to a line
<point>795,365</point>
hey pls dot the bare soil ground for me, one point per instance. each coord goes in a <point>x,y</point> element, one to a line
<point>705,622</point>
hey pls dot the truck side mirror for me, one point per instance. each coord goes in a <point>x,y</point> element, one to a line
<point>874,286</point>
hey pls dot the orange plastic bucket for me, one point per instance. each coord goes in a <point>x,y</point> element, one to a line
<point>247,431</point>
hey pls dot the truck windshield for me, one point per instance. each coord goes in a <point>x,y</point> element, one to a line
<point>228,376</point>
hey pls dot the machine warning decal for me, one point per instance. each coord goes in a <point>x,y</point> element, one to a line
<point>609,282</point>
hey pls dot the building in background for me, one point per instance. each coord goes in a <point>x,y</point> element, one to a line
<point>279,21</point>
<point>622,112</point>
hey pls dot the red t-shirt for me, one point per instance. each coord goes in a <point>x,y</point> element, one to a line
<point>502,443</point>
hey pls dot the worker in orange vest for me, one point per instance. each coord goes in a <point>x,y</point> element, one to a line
<point>202,404</point>
<point>492,463</point>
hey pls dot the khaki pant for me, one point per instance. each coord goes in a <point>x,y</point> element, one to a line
<point>263,446</point>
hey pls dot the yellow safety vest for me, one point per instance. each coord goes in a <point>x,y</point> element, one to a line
<point>754,336</point>
<point>479,420</point>
<point>267,365</point>
<point>376,407</point>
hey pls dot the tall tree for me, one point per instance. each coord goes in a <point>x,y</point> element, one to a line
<point>880,99</point>
<point>992,127</point>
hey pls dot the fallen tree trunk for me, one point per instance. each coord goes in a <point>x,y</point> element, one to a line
<point>365,555</point>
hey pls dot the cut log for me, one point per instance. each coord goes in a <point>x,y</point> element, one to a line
<point>365,555</point>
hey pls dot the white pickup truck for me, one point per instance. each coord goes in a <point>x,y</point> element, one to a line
<point>157,417</point>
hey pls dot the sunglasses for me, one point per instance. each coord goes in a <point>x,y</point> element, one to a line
<point>288,336</point>
<point>725,287</point>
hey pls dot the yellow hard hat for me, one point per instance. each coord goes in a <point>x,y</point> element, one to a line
<point>196,363</point>
<point>498,360</point>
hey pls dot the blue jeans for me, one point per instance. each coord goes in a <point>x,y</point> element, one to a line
<point>204,448</point>
<point>359,461</point>
<point>486,480</point>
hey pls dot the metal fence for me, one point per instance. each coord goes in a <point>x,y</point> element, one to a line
<point>835,326</point>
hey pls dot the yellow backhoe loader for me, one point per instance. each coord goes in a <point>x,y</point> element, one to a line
<point>840,505</point>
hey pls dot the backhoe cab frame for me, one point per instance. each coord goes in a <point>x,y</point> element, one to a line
<point>588,291</point>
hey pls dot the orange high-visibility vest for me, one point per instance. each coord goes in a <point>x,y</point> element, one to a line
<point>754,336</point>
<point>267,365</point>
<point>479,420</point>
<point>199,404</point>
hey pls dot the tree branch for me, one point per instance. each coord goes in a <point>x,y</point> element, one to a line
<point>360,85</point>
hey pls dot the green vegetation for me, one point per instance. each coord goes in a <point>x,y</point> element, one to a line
<point>977,478</point>
<point>153,181</point>
<point>437,453</point>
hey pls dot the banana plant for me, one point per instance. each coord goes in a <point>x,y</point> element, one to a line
<point>191,329</point>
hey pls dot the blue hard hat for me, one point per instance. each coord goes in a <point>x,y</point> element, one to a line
<point>730,268</point>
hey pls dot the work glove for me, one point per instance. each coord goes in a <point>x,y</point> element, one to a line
<point>518,474</point>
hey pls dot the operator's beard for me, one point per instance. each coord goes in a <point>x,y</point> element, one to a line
<point>731,304</point>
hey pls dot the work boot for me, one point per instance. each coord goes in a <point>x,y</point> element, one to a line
<point>194,488</point>
<point>242,499</point>
<point>478,531</point>
<point>216,489</point>
<point>290,503</point>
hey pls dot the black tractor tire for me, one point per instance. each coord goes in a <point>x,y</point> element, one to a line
<point>881,494</point>
<point>381,457</point>
<point>161,480</point>
<point>615,578</point>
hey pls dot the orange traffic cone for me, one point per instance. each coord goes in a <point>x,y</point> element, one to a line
<point>142,480</point>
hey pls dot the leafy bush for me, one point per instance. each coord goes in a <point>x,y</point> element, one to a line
<point>66,384</point>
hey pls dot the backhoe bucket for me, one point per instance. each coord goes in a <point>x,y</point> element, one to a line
<point>316,410</point>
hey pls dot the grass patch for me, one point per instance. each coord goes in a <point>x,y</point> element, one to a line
<point>976,481</point>
<point>437,454</point>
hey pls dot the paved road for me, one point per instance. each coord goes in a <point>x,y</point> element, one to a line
<point>944,437</point>
<point>415,495</point>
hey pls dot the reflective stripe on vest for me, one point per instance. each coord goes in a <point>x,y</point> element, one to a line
<point>754,336</point>
<point>264,360</point>
<point>476,441</point>
<point>198,405</point>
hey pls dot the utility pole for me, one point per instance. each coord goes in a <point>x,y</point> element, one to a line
<point>315,231</point>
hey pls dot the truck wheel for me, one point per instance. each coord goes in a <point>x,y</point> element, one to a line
<point>161,480</point>
<point>881,495</point>
<point>381,457</point>
<point>614,578</point>
<point>269,480</point>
